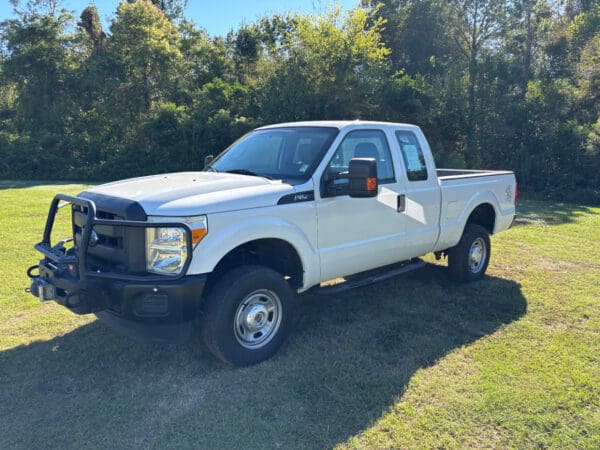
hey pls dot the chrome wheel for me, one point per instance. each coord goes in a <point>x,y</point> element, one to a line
<point>257,319</point>
<point>477,255</point>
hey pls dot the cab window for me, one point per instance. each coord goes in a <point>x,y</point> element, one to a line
<point>412,155</point>
<point>360,144</point>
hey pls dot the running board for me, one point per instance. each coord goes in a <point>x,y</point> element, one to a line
<point>368,278</point>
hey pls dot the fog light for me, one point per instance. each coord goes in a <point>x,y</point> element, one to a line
<point>153,305</point>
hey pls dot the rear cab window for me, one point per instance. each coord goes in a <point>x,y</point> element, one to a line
<point>412,155</point>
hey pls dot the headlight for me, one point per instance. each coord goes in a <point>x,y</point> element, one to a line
<point>166,250</point>
<point>166,247</point>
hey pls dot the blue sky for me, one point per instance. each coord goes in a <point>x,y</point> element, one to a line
<point>217,17</point>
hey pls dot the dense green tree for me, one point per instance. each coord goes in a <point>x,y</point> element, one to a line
<point>476,25</point>
<point>39,66</point>
<point>90,22</point>
<point>416,32</point>
<point>144,48</point>
<point>335,67</point>
<point>174,9</point>
<point>501,84</point>
<point>588,79</point>
<point>37,81</point>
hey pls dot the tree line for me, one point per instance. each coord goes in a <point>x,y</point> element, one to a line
<point>494,84</point>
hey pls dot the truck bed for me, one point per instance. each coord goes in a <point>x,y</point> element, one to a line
<point>461,189</point>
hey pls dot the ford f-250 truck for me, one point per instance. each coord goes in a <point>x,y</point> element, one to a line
<point>284,209</point>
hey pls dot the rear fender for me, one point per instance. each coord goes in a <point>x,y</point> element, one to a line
<point>481,198</point>
<point>452,229</point>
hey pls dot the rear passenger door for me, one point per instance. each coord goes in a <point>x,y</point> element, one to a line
<point>421,188</point>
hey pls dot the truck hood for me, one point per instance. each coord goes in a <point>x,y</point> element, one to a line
<point>193,193</point>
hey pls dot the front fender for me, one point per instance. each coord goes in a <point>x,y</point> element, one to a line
<point>226,234</point>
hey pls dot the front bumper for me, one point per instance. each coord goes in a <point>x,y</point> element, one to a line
<point>146,311</point>
<point>154,312</point>
<point>150,307</point>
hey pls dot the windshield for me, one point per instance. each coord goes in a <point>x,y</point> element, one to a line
<point>280,153</point>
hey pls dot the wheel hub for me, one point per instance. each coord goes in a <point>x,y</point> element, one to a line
<point>257,319</point>
<point>477,255</point>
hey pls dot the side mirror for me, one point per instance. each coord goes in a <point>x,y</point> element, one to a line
<point>208,160</point>
<point>362,177</point>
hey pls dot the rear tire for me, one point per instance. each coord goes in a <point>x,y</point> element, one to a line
<point>468,260</point>
<point>247,315</point>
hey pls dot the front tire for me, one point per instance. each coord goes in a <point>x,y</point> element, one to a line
<point>247,315</point>
<point>468,260</point>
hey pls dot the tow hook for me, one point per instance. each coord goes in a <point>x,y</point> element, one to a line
<point>42,289</point>
<point>30,273</point>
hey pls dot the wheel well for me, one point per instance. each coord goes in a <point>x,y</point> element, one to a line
<point>276,254</point>
<point>485,216</point>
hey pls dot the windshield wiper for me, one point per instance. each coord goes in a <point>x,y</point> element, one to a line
<point>247,172</point>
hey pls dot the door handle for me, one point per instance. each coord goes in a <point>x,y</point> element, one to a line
<point>401,205</point>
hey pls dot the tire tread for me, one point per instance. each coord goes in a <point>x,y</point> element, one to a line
<point>215,321</point>
<point>458,258</point>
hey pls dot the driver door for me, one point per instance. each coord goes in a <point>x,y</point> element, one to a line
<point>358,234</point>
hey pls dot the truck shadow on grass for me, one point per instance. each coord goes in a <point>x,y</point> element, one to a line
<point>349,359</point>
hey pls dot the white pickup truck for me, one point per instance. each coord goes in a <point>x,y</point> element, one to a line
<point>283,210</point>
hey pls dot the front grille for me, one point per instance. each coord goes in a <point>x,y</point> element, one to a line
<point>118,249</point>
<point>106,215</point>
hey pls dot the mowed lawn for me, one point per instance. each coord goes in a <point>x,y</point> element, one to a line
<point>419,361</point>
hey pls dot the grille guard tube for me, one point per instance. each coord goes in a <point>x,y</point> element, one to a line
<point>79,258</point>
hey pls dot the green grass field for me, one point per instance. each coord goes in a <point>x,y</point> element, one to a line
<point>419,361</point>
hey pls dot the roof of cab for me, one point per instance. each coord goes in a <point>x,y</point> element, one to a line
<point>337,124</point>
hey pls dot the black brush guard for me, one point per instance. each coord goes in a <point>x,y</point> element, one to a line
<point>63,274</point>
